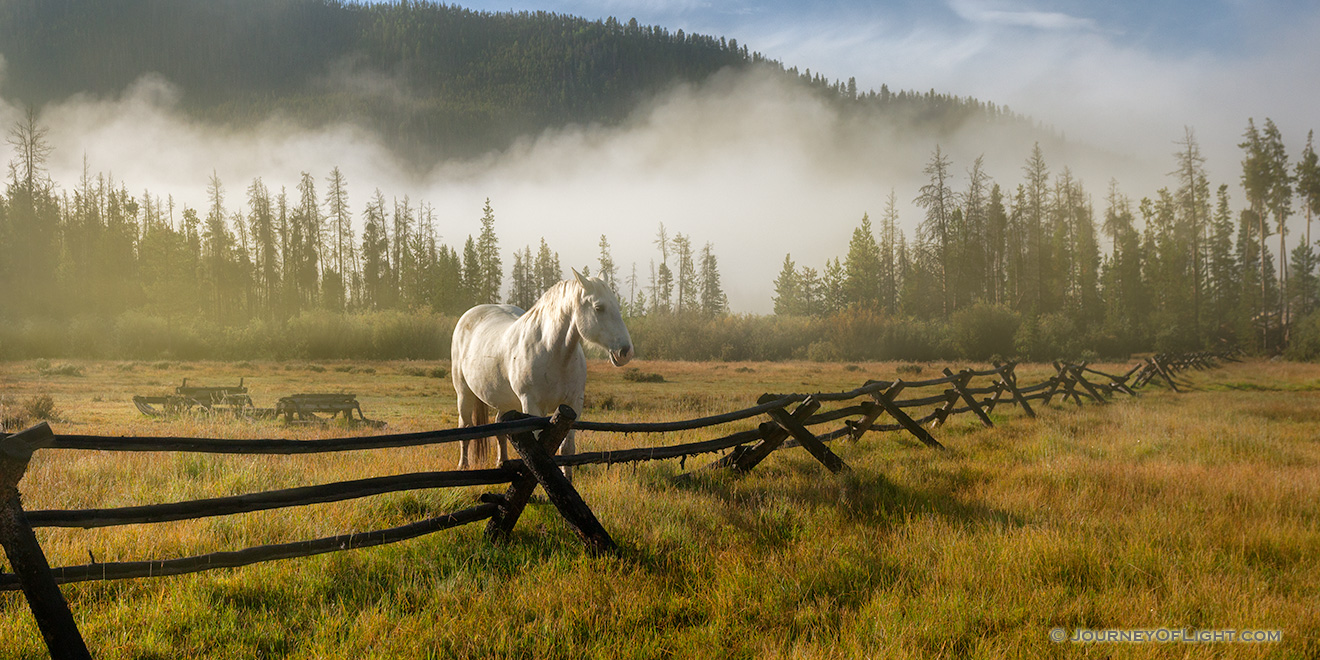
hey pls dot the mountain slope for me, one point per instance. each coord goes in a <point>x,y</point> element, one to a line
<point>434,80</point>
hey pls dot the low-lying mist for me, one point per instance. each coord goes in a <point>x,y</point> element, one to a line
<point>753,162</point>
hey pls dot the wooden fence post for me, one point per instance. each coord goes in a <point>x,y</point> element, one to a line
<point>1008,379</point>
<point>941,414</point>
<point>515,498</point>
<point>874,411</point>
<point>1069,384</point>
<point>558,488</point>
<point>1159,369</point>
<point>961,386</point>
<point>886,401</point>
<point>772,436</point>
<point>812,444</point>
<point>1076,372</point>
<point>49,608</point>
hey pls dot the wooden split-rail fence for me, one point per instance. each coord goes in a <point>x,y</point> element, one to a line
<point>789,423</point>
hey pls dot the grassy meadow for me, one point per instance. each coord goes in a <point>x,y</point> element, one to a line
<point>1195,511</point>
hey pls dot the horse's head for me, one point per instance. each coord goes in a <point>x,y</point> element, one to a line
<point>599,322</point>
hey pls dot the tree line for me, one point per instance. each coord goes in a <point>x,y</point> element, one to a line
<point>1033,271</point>
<point>1181,269</point>
<point>271,256</point>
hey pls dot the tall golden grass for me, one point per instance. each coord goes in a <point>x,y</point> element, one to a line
<point>1197,510</point>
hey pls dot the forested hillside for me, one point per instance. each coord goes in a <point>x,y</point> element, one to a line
<point>434,80</point>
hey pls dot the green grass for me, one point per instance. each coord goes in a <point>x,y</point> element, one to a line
<point>1195,510</point>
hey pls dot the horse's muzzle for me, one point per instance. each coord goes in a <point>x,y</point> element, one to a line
<point>622,356</point>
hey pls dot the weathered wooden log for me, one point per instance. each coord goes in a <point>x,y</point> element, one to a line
<point>871,412</point>
<point>942,413</point>
<point>808,441</point>
<point>1086,384</point>
<point>275,499</point>
<point>885,399</point>
<point>519,492</point>
<point>264,553</point>
<point>32,572</point>
<point>960,386</point>
<point>559,490</point>
<point>772,437</point>
<point>617,456</point>
<point>1168,378</point>
<point>685,425</point>
<point>1008,379</point>
<point>285,446</point>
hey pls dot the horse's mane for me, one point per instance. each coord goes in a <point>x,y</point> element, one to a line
<point>552,300</point>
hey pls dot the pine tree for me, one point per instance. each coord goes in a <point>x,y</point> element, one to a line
<point>788,295</point>
<point>218,243</point>
<point>861,267</point>
<point>339,256</point>
<point>662,279</point>
<point>606,270</point>
<point>971,251</point>
<point>547,270</point>
<point>810,293</point>
<point>713,300</point>
<point>996,246</point>
<point>400,236</point>
<point>937,228</point>
<point>1032,203</point>
<point>887,274</point>
<point>1225,280</point>
<point>488,258</point>
<point>523,288</point>
<point>1194,209</point>
<point>687,282</point>
<point>832,279</point>
<point>472,280</point>
<point>1278,199</point>
<point>33,218</point>
<point>375,256</point>
<point>261,224</point>
<point>1256,178</point>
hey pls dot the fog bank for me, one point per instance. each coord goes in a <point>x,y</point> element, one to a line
<point>752,162</point>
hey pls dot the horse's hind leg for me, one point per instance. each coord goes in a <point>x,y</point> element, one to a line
<point>467,413</point>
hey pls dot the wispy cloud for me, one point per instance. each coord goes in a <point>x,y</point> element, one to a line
<point>993,13</point>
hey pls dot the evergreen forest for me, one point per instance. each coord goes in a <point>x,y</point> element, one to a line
<point>433,80</point>
<point>1022,264</point>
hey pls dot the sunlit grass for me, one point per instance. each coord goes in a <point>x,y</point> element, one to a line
<point>1194,510</point>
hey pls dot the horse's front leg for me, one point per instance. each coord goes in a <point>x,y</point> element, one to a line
<point>530,409</point>
<point>569,446</point>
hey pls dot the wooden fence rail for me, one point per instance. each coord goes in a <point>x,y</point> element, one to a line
<point>790,419</point>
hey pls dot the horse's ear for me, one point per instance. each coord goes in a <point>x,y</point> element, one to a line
<point>581,280</point>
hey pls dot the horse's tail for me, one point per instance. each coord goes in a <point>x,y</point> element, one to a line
<point>480,447</point>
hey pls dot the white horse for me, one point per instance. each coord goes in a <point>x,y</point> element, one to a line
<point>532,362</point>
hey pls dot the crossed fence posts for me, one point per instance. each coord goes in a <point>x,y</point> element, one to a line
<point>537,439</point>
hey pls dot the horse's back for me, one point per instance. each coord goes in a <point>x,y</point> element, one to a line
<point>477,350</point>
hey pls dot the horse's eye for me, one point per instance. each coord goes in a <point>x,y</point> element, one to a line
<point>600,308</point>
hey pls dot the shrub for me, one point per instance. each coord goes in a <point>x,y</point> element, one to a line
<point>40,407</point>
<point>983,330</point>
<point>636,375</point>
<point>1305,339</point>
